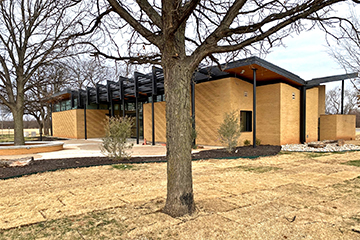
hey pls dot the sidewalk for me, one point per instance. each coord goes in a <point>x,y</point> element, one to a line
<point>91,148</point>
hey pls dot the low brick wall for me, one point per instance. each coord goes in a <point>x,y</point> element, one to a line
<point>30,148</point>
<point>337,126</point>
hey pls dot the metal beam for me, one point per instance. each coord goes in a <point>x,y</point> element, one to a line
<point>342,96</point>
<point>87,102</point>
<point>153,95</point>
<point>112,108</point>
<point>51,111</point>
<point>108,91</point>
<point>254,107</point>
<point>193,108</point>
<point>136,93</point>
<point>154,82</point>
<point>317,81</point>
<point>122,94</point>
<point>97,100</point>
<point>79,98</point>
<point>85,127</point>
<point>72,99</point>
<point>303,114</point>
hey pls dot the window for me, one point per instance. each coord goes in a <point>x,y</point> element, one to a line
<point>56,107</point>
<point>245,121</point>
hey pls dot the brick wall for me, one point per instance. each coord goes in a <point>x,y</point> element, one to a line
<point>70,123</point>
<point>337,126</point>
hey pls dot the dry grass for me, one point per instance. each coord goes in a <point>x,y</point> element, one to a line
<point>289,196</point>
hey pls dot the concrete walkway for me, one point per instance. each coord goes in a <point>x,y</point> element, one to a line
<point>91,148</point>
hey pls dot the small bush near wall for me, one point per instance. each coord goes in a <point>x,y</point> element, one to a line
<point>247,142</point>
<point>117,131</point>
<point>229,131</point>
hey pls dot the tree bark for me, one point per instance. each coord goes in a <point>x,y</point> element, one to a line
<point>180,198</point>
<point>46,126</point>
<point>18,126</point>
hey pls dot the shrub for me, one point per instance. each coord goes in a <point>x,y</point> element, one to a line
<point>258,142</point>
<point>247,142</point>
<point>229,131</point>
<point>117,131</point>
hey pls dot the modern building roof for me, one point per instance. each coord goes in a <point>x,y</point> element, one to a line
<point>142,85</point>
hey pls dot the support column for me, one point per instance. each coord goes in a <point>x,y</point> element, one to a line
<point>123,106</point>
<point>72,99</point>
<point>193,108</point>
<point>85,127</point>
<point>153,95</point>
<point>303,114</point>
<point>136,89</point>
<point>254,108</point>
<point>51,125</point>
<point>122,96</point>
<point>112,108</point>
<point>342,96</point>
<point>109,98</point>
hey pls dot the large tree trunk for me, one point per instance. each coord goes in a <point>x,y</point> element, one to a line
<point>19,126</point>
<point>180,198</point>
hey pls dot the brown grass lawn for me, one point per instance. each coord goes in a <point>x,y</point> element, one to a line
<point>288,196</point>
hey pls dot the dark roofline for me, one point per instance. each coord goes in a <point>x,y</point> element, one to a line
<point>317,81</point>
<point>201,75</point>
<point>265,64</point>
<point>58,94</point>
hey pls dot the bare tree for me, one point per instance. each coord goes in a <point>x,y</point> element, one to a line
<point>32,33</point>
<point>179,35</point>
<point>4,113</point>
<point>333,101</point>
<point>47,80</point>
<point>83,71</point>
<point>346,50</point>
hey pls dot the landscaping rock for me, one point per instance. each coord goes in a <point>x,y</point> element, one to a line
<point>20,162</point>
<point>340,142</point>
<point>317,145</point>
<point>329,147</point>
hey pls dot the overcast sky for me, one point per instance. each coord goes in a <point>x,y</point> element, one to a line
<point>306,55</point>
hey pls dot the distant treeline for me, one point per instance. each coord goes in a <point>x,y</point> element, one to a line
<point>10,124</point>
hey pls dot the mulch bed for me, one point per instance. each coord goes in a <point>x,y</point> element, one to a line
<point>56,164</point>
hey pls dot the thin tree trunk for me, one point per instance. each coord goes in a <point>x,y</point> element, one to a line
<point>46,124</point>
<point>18,127</point>
<point>180,198</point>
<point>40,130</point>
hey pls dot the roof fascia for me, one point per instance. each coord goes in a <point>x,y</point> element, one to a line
<point>316,81</point>
<point>267,65</point>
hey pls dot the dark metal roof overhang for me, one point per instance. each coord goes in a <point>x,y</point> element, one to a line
<point>267,72</point>
<point>317,81</point>
<point>153,83</point>
<point>59,96</point>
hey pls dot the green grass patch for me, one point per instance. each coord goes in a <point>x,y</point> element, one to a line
<point>10,138</point>
<point>261,169</point>
<point>285,153</point>
<point>123,167</point>
<point>316,154</point>
<point>94,225</point>
<point>355,163</point>
<point>342,152</point>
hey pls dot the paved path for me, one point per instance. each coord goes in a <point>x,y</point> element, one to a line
<point>91,148</point>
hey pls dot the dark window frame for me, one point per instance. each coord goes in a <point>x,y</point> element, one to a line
<point>245,121</point>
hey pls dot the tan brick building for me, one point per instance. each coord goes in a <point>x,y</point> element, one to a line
<point>288,109</point>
